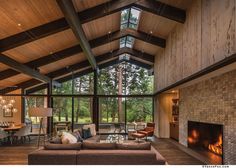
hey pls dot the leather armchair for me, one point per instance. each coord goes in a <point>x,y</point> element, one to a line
<point>149,130</point>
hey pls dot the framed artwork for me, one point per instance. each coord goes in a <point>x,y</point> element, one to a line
<point>7,113</point>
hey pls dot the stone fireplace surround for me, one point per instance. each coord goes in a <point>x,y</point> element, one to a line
<point>211,101</point>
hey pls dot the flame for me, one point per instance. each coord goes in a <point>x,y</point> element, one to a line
<point>193,138</point>
<point>217,147</point>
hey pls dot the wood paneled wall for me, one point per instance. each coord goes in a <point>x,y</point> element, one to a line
<point>207,36</point>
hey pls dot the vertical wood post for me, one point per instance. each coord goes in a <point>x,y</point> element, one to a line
<point>95,101</point>
<point>50,105</point>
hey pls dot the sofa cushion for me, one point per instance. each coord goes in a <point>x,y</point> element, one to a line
<point>98,145</point>
<point>95,138</point>
<point>118,157</point>
<point>92,128</point>
<point>75,146</point>
<point>68,138</point>
<point>134,146</point>
<point>52,157</point>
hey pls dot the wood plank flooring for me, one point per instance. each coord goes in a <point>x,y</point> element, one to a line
<point>17,154</point>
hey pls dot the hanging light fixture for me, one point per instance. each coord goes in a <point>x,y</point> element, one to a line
<point>7,107</point>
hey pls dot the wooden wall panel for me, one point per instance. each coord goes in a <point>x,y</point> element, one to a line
<point>207,36</point>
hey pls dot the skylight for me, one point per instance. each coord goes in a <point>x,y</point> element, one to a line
<point>129,19</point>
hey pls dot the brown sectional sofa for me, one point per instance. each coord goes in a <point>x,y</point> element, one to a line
<point>102,155</point>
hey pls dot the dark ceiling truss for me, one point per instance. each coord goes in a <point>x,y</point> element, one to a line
<point>74,22</point>
<point>85,64</point>
<point>65,53</point>
<point>90,14</point>
<point>26,70</point>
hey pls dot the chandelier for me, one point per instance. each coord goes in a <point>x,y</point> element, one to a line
<point>7,106</point>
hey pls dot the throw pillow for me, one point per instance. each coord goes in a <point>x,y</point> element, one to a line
<point>56,140</point>
<point>78,136</point>
<point>98,145</point>
<point>68,138</point>
<point>75,146</point>
<point>134,146</point>
<point>86,133</point>
<point>92,128</point>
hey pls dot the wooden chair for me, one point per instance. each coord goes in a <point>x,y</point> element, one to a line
<point>23,133</point>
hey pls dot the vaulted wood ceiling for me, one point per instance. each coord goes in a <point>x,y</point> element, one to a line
<point>36,34</point>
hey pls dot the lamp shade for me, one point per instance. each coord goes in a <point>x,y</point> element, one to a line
<point>40,112</point>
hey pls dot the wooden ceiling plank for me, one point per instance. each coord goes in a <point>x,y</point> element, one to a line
<point>61,24</point>
<point>73,20</point>
<point>116,35</point>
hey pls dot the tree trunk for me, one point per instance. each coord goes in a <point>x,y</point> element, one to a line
<point>78,107</point>
<point>120,114</point>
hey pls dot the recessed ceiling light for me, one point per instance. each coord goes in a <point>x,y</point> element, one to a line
<point>19,24</point>
<point>109,32</point>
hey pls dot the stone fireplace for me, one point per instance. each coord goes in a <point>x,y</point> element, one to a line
<point>206,139</point>
<point>211,101</point>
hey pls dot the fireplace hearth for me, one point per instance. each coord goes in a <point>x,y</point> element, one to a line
<point>206,139</point>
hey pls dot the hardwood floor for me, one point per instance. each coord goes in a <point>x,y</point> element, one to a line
<point>17,154</point>
<point>174,154</point>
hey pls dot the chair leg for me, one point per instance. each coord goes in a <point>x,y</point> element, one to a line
<point>29,138</point>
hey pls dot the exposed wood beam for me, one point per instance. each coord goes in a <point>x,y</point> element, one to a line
<point>116,35</point>
<point>25,69</point>
<point>139,63</point>
<point>90,14</point>
<point>139,54</point>
<point>75,24</point>
<point>162,9</point>
<point>61,24</point>
<point>82,65</point>
<point>145,37</point>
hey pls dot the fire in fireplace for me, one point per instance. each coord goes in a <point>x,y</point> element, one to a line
<point>217,147</point>
<point>206,137</point>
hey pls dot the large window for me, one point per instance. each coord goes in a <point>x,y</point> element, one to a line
<point>83,111</point>
<point>112,115</point>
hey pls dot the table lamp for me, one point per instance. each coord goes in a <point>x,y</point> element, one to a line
<point>42,113</point>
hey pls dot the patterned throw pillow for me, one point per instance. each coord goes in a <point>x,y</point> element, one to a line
<point>86,133</point>
<point>78,136</point>
<point>68,138</point>
<point>56,140</point>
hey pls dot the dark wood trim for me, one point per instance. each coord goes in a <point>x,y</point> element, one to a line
<point>23,106</point>
<point>75,24</point>
<point>80,95</point>
<point>139,54</point>
<point>162,9</point>
<point>138,63</point>
<point>158,41</point>
<point>116,35</point>
<point>227,61</point>
<point>95,116</point>
<point>24,69</point>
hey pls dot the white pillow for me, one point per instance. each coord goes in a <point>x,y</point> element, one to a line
<point>68,138</point>
<point>92,128</point>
